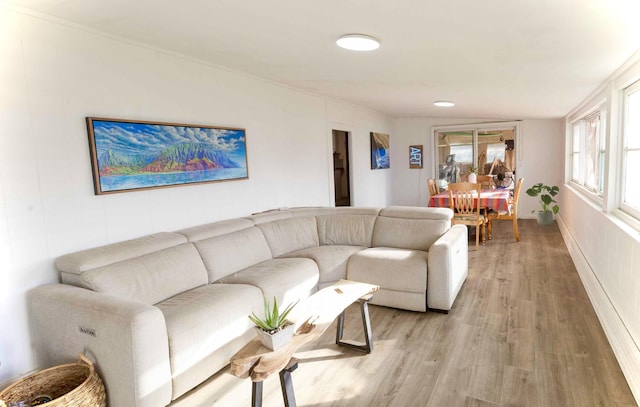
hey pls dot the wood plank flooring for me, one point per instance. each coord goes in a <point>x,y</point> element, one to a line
<point>522,333</point>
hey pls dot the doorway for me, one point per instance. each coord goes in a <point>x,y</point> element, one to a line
<point>341,168</point>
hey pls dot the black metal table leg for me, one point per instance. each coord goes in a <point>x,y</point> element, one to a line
<point>256,394</point>
<point>367,347</point>
<point>287,385</point>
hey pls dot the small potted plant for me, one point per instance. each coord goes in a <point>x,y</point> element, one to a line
<point>274,330</point>
<point>549,205</point>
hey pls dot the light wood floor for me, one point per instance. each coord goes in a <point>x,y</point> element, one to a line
<point>522,333</point>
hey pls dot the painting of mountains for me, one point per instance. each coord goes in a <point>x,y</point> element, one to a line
<point>129,155</point>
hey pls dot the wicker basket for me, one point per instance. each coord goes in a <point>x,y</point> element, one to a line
<point>75,384</point>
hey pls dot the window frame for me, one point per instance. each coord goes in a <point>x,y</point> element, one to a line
<point>628,210</point>
<point>580,123</point>
<point>475,128</point>
<point>574,155</point>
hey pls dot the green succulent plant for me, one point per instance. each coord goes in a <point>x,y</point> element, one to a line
<point>546,194</point>
<point>274,318</point>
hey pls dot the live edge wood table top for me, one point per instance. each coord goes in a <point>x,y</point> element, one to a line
<point>258,362</point>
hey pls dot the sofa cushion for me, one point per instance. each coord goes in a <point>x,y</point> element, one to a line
<point>287,279</point>
<point>390,268</point>
<point>150,278</point>
<point>354,230</point>
<point>202,321</point>
<point>287,235</point>
<point>410,227</point>
<point>227,254</point>
<point>331,260</point>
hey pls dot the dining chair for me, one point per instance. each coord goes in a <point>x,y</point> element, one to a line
<point>486,181</point>
<point>433,188</point>
<point>463,200</point>
<point>511,215</point>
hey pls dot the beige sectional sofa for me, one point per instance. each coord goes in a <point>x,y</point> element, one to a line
<point>162,313</point>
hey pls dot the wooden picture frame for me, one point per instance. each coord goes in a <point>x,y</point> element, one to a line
<point>415,157</point>
<point>131,155</point>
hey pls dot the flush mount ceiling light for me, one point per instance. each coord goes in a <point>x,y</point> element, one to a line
<point>444,103</point>
<point>358,42</point>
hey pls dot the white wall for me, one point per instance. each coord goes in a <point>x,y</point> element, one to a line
<point>55,74</point>
<point>605,249</point>
<point>539,158</point>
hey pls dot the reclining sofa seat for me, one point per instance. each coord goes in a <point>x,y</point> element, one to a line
<point>162,313</point>
<point>144,310</point>
<point>406,244</point>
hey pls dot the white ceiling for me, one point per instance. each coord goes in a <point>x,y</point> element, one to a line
<point>500,59</point>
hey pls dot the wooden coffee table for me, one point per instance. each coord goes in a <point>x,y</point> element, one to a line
<point>323,307</point>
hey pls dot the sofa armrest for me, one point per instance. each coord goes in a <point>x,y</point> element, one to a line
<point>127,339</point>
<point>447,268</point>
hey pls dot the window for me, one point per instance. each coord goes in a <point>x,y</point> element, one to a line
<point>496,151</point>
<point>630,199</point>
<point>463,153</point>
<point>575,153</point>
<point>588,152</point>
<point>489,147</point>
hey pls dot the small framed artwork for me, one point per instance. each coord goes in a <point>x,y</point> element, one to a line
<point>379,151</point>
<point>415,156</point>
<point>139,155</point>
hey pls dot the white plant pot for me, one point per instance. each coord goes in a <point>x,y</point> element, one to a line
<point>278,339</point>
<point>472,178</point>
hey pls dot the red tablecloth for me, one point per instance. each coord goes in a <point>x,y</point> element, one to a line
<point>496,199</point>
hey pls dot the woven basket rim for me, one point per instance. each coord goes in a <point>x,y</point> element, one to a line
<point>82,362</point>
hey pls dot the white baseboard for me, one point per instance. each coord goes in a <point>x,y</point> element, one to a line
<point>624,348</point>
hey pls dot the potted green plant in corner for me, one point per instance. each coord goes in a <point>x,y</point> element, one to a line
<point>549,205</point>
<point>274,330</point>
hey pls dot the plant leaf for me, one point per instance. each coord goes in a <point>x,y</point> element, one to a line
<point>272,317</point>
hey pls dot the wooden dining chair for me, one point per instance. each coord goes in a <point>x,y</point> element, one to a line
<point>511,215</point>
<point>433,188</point>
<point>486,181</point>
<point>463,199</point>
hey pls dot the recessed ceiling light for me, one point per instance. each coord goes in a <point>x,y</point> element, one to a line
<point>358,42</point>
<point>444,103</point>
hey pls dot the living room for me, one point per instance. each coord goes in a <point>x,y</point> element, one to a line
<point>57,72</point>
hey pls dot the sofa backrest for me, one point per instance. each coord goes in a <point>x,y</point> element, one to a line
<point>148,269</point>
<point>269,216</point>
<point>414,228</point>
<point>331,210</point>
<point>220,228</point>
<point>353,230</point>
<point>232,252</point>
<point>288,235</point>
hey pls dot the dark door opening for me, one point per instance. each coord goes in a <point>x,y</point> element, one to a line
<point>341,168</point>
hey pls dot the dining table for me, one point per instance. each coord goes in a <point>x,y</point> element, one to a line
<point>490,199</point>
<point>496,199</point>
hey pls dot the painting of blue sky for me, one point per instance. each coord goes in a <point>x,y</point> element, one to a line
<point>140,155</point>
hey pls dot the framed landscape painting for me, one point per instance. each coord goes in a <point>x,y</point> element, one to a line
<point>137,155</point>
<point>379,151</point>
